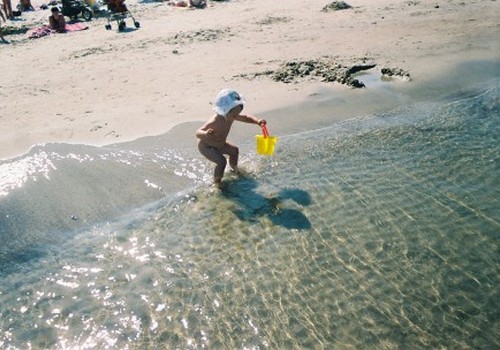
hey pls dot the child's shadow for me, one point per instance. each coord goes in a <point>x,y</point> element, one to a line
<point>253,205</point>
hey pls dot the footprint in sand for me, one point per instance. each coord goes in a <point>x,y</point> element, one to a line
<point>112,134</point>
<point>97,127</point>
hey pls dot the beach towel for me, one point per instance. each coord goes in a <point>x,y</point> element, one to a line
<point>46,30</point>
<point>75,27</point>
<point>39,32</point>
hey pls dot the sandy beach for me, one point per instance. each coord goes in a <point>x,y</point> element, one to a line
<point>374,225</point>
<point>101,86</point>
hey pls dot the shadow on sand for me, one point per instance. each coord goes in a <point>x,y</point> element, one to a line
<point>253,205</point>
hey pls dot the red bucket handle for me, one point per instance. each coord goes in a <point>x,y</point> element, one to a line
<point>264,130</point>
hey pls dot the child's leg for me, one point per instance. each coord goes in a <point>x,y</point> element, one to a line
<point>215,156</point>
<point>233,152</point>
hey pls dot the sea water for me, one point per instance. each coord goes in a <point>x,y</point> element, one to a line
<point>379,232</point>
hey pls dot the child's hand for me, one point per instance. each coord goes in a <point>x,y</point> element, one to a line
<point>262,122</point>
<point>210,131</point>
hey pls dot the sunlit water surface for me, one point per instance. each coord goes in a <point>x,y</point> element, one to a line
<point>379,232</point>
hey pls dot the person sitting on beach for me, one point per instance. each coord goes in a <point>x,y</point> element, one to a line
<point>116,6</point>
<point>57,21</point>
<point>213,134</point>
<point>201,4</point>
<point>25,5</point>
<point>178,3</point>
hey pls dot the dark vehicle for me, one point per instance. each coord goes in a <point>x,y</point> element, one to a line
<point>73,8</point>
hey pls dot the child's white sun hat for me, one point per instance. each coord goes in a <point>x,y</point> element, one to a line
<point>226,100</point>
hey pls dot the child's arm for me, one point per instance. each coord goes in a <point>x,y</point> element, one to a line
<point>250,119</point>
<point>205,130</point>
<point>201,132</point>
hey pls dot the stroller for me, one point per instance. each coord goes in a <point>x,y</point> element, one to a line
<point>73,8</point>
<point>117,11</point>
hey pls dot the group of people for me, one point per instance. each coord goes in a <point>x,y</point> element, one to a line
<point>57,21</point>
<point>6,12</point>
<point>24,5</point>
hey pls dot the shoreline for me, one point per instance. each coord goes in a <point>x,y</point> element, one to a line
<point>101,87</point>
<point>324,108</point>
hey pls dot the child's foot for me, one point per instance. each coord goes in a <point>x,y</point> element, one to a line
<point>214,188</point>
<point>217,183</point>
<point>237,170</point>
<point>241,172</point>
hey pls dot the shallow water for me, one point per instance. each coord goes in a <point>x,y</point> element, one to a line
<point>379,232</point>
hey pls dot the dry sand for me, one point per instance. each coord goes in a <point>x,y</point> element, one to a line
<point>101,87</point>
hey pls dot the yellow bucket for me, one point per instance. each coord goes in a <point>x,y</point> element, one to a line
<point>265,143</point>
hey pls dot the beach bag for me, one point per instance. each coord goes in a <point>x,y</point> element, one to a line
<point>265,143</point>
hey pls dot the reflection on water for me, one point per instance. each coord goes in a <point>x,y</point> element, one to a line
<point>380,233</point>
